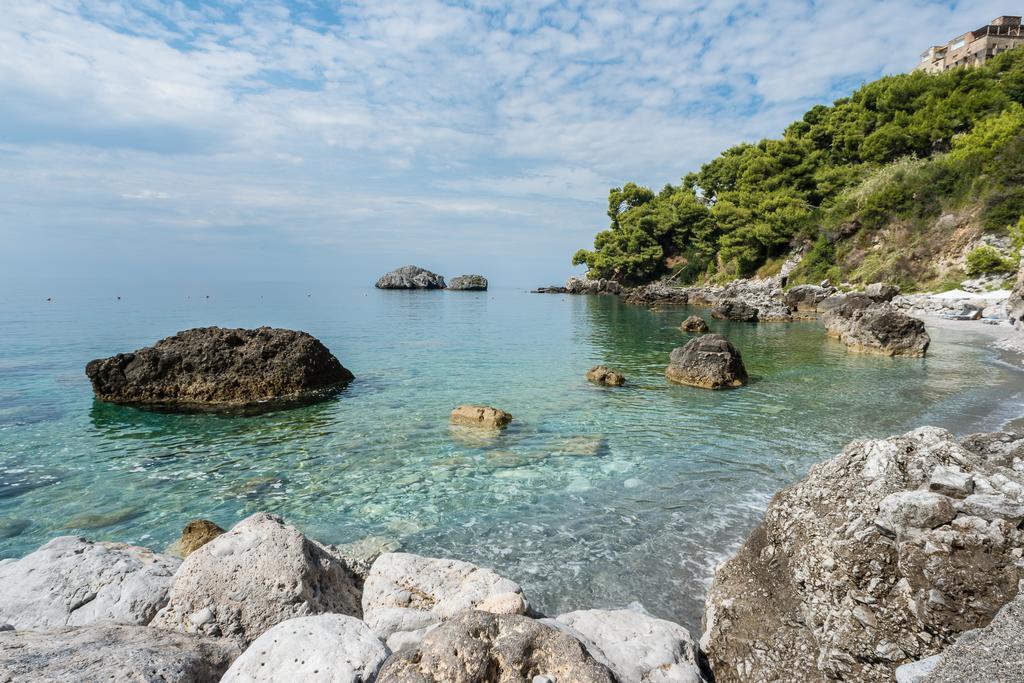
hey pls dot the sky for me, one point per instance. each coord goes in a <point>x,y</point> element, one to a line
<point>309,141</point>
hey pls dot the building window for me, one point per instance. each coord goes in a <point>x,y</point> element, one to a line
<point>958,44</point>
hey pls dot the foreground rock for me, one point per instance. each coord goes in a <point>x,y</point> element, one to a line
<point>709,362</point>
<point>327,647</point>
<point>480,416</point>
<point>993,653</point>
<point>636,647</point>
<point>405,595</point>
<point>694,324</point>
<point>601,374</point>
<point>194,536</point>
<point>469,283</point>
<point>253,577</point>
<point>479,647</point>
<point>113,653</point>
<point>72,582</point>
<point>877,329</point>
<point>410,277</point>
<point>865,566</point>
<point>214,367</point>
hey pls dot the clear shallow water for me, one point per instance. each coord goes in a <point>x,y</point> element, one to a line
<point>593,497</point>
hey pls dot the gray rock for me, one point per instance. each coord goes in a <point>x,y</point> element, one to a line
<point>818,592</point>
<point>468,283</point>
<point>406,593</point>
<point>905,511</point>
<point>330,648</point>
<point>992,507</point>
<point>637,647</point>
<point>410,277</point>
<point>213,368</point>
<point>735,310</point>
<point>479,647</point>
<point>916,672</point>
<point>951,481</point>
<point>805,298</point>
<point>994,653</point>
<point>73,582</point>
<point>879,329</point>
<point>120,654</point>
<point>1015,304</point>
<point>256,575</point>
<point>582,285</point>
<point>709,362</point>
<point>879,292</point>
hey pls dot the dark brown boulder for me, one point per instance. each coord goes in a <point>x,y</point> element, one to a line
<point>602,374</point>
<point>694,324</point>
<point>194,536</point>
<point>709,361</point>
<point>212,368</point>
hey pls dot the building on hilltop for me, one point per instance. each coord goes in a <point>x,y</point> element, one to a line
<point>974,48</point>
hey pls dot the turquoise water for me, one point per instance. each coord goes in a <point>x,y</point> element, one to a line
<point>593,497</point>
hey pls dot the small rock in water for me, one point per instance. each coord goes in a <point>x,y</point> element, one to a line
<point>468,283</point>
<point>694,324</point>
<point>583,446</point>
<point>708,362</point>
<point>194,536</point>
<point>480,416</point>
<point>100,520</point>
<point>602,374</point>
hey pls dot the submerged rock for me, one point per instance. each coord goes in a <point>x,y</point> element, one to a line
<point>636,647</point>
<point>735,310</point>
<point>478,647</point>
<point>480,416</point>
<point>878,329</point>
<point>468,283</point>
<point>256,575</point>
<point>860,568</point>
<point>113,653</point>
<point>694,324</point>
<point>709,361</point>
<point>326,647</point>
<point>73,582</point>
<point>194,536</point>
<point>410,277</point>
<point>405,595</point>
<point>213,368</point>
<point>601,374</point>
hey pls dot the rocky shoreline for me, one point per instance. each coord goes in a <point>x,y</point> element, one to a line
<point>885,560</point>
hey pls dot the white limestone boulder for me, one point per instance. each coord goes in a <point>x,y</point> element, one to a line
<point>256,575</point>
<point>408,594</point>
<point>326,648</point>
<point>113,654</point>
<point>72,582</point>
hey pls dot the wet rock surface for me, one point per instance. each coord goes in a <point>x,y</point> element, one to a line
<point>479,647</point>
<point>120,654</point>
<point>410,277</point>
<point>256,575</point>
<point>694,324</point>
<point>602,374</point>
<point>861,567</point>
<point>210,368</point>
<point>480,416</point>
<point>709,361</point>
<point>73,582</point>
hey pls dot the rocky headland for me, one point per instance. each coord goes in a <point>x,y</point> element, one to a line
<point>215,368</point>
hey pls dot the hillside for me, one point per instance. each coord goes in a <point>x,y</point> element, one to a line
<point>915,179</point>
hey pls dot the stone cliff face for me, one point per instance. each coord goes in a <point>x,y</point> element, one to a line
<point>881,556</point>
<point>1015,304</point>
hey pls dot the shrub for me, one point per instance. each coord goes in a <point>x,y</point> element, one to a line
<point>986,259</point>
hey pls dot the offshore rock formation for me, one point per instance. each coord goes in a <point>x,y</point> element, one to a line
<point>480,416</point>
<point>71,581</point>
<point>410,277</point>
<point>881,556</point>
<point>582,285</point>
<point>709,361</point>
<point>479,647</point>
<point>878,329</point>
<point>106,652</point>
<point>253,577</point>
<point>601,374</point>
<point>468,283</point>
<point>694,324</point>
<point>216,368</point>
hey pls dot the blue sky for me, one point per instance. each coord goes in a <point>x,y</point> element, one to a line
<point>330,141</point>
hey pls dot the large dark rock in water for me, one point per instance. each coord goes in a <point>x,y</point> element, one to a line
<point>879,329</point>
<point>212,368</point>
<point>709,362</point>
<point>469,283</point>
<point>410,277</point>
<point>880,557</point>
<point>735,310</point>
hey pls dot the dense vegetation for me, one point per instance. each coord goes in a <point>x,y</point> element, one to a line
<point>861,185</point>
